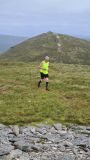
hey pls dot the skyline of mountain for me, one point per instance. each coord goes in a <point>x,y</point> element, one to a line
<point>61,49</point>
<point>8,41</point>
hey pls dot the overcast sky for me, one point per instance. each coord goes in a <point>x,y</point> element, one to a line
<point>32,17</point>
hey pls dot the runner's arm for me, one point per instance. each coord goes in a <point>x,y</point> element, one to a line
<point>40,66</point>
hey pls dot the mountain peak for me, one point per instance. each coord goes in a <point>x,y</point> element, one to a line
<point>59,47</point>
<point>50,32</point>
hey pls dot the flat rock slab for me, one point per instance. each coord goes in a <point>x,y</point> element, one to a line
<point>5,149</point>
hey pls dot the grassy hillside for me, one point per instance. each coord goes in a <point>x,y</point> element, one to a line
<point>60,48</point>
<point>21,102</point>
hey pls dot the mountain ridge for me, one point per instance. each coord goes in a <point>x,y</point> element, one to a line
<point>61,48</point>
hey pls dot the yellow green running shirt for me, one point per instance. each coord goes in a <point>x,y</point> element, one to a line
<point>44,67</point>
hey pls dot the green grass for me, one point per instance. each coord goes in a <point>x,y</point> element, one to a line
<point>21,102</point>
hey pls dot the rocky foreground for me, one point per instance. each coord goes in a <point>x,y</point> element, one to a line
<point>44,142</point>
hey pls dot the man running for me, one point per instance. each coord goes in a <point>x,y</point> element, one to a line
<point>44,72</point>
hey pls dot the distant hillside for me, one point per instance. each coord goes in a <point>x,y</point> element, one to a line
<point>60,48</point>
<point>7,41</point>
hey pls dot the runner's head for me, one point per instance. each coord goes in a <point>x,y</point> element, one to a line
<point>46,59</point>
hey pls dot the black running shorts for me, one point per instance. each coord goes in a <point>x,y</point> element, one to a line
<point>43,75</point>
